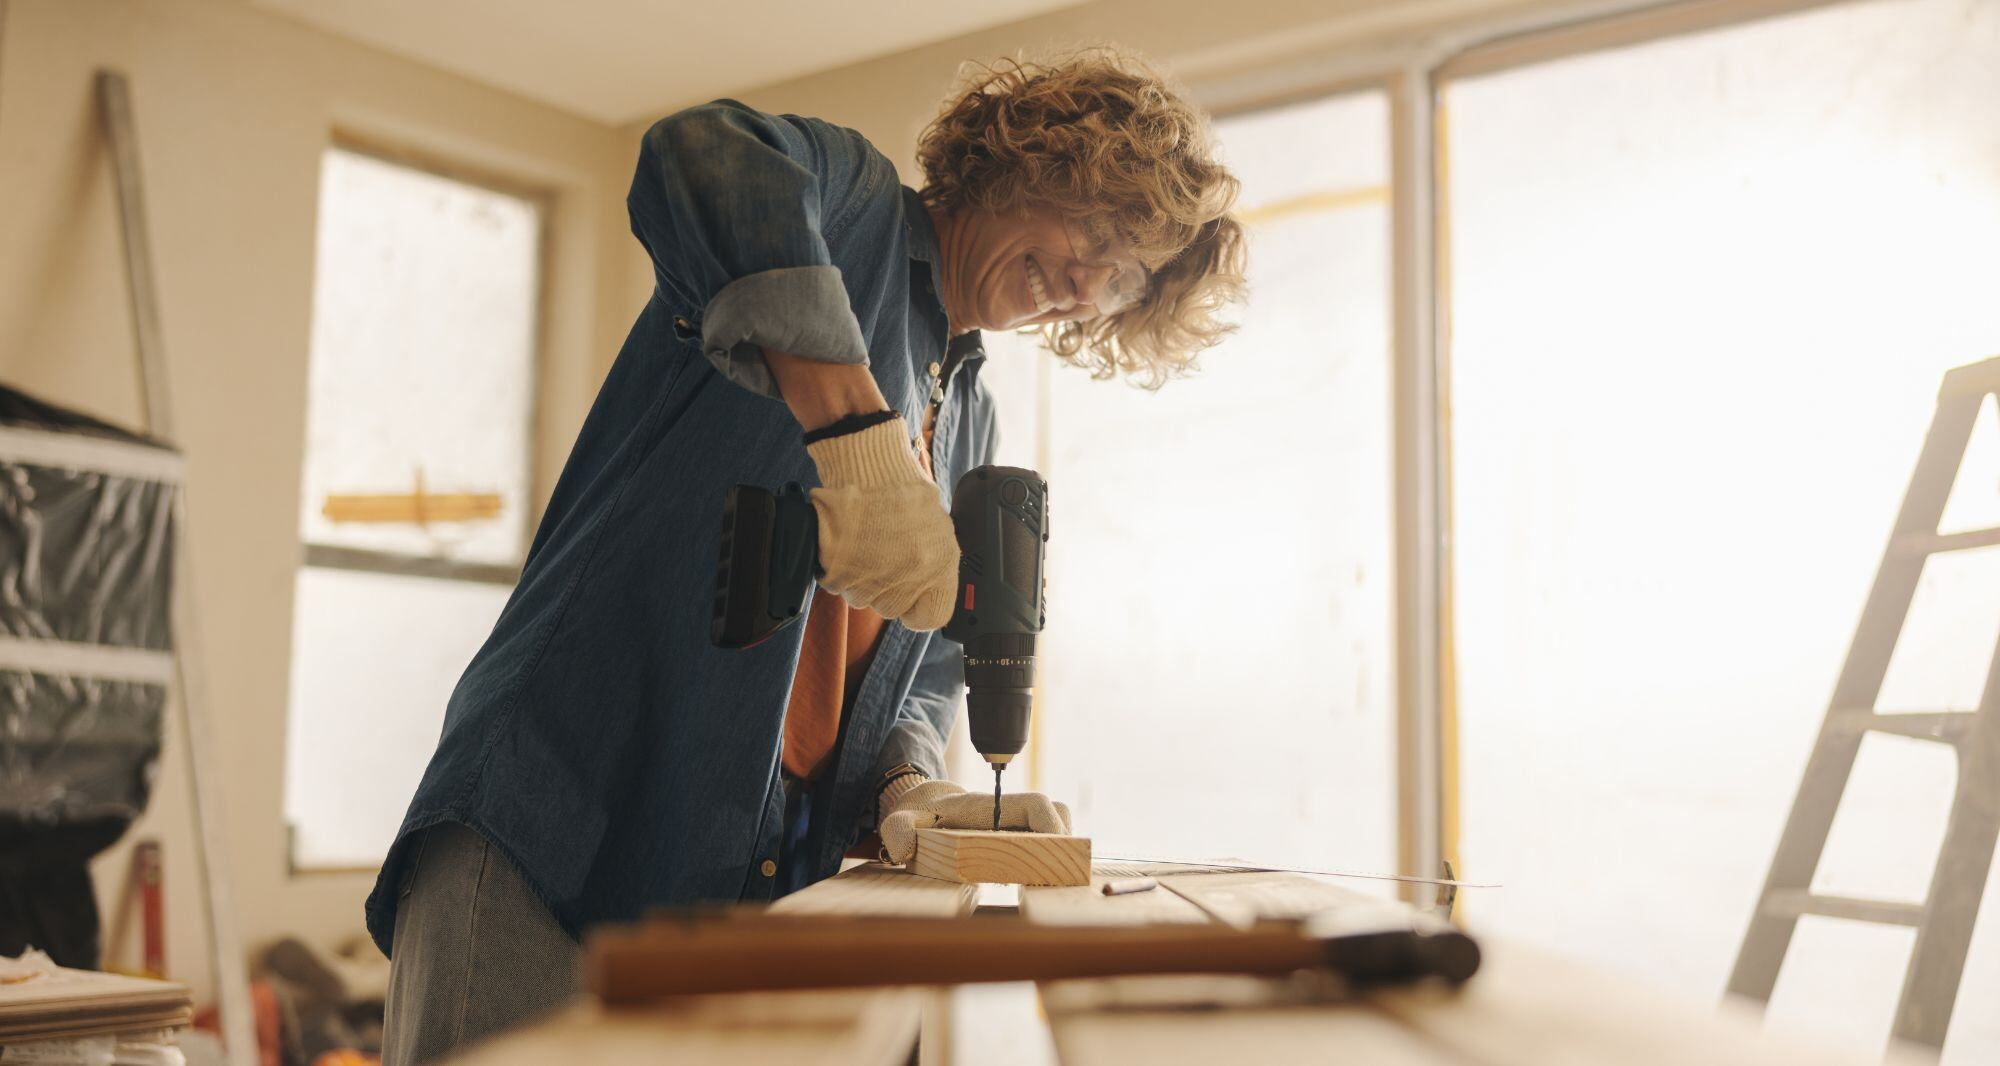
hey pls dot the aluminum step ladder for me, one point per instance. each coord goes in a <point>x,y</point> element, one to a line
<point>1944,920</point>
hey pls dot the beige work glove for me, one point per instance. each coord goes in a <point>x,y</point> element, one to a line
<point>943,805</point>
<point>885,541</point>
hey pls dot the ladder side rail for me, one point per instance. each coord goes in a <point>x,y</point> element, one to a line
<point>1981,377</point>
<point>232,983</point>
<point>1937,961</point>
<point>1888,603</point>
<point>1827,769</point>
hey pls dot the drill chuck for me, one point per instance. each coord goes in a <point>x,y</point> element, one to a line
<point>1000,683</point>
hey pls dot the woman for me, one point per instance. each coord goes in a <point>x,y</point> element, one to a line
<point>812,320</point>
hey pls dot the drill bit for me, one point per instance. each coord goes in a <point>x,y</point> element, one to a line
<point>997,767</point>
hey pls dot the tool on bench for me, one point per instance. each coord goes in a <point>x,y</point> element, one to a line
<point>770,558</point>
<point>699,953</point>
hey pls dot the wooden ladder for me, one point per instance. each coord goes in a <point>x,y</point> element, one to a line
<point>1944,919</point>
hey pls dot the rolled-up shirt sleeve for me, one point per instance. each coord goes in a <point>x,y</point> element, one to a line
<point>735,208</point>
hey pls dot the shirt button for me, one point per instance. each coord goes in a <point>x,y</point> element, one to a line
<point>769,869</point>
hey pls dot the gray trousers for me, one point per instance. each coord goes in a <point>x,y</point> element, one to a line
<point>474,951</point>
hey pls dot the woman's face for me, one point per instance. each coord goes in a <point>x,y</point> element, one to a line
<point>1005,272</point>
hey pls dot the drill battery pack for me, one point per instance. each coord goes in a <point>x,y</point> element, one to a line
<point>768,561</point>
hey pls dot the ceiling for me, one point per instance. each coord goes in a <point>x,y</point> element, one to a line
<point>619,61</point>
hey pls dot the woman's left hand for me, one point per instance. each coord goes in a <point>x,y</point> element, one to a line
<point>944,805</point>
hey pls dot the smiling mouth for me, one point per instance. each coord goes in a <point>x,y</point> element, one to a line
<point>1038,287</point>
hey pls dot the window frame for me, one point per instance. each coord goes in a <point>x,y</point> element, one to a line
<point>404,564</point>
<point>539,483</point>
<point>1413,72</point>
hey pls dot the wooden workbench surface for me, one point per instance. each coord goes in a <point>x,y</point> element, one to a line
<point>1523,1008</point>
<point>841,1028</point>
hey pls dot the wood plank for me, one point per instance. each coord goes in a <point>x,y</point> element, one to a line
<point>878,890</point>
<point>419,507</point>
<point>974,855</point>
<point>1204,1018</point>
<point>1530,1008</point>
<point>1183,992</point>
<point>1088,905</point>
<point>1243,899</point>
<point>774,1028</point>
<point>1347,1034</point>
<point>1523,1008</point>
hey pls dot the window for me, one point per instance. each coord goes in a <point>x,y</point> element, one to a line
<point>415,490</point>
<point>1702,294</point>
<point>1216,669</point>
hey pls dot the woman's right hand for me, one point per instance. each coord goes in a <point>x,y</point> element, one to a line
<point>885,541</point>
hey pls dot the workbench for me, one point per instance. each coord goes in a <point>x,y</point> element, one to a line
<point>1524,1008</point>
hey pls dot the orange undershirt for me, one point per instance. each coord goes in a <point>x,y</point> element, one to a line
<point>839,644</point>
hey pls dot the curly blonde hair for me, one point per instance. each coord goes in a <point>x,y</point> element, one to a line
<point>1100,138</point>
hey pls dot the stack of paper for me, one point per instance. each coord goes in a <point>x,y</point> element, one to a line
<point>41,1001</point>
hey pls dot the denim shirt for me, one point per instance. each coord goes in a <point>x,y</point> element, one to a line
<point>597,738</point>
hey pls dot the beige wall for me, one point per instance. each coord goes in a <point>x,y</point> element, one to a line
<point>233,110</point>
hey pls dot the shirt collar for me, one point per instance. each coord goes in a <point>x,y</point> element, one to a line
<point>922,232</point>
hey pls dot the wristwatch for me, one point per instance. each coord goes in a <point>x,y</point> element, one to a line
<point>897,773</point>
<point>896,781</point>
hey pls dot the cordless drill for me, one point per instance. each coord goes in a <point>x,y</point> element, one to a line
<point>1000,514</point>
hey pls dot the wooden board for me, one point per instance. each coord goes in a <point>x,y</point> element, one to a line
<point>974,855</point>
<point>1207,1018</point>
<point>1531,1008</point>
<point>1088,905</point>
<point>876,890</point>
<point>1243,899</point>
<point>1524,1008</point>
<point>1334,1035</point>
<point>778,1028</point>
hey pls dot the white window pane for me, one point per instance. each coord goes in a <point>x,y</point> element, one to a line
<point>1216,669</point>
<point>424,304</point>
<point>374,658</point>
<point>1704,290</point>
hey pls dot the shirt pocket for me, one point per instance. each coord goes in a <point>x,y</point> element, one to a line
<point>686,328</point>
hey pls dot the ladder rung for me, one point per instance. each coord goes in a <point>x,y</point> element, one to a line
<point>1947,727</point>
<point>1795,902</point>
<point>1933,543</point>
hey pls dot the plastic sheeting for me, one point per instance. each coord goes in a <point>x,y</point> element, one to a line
<point>86,554</point>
